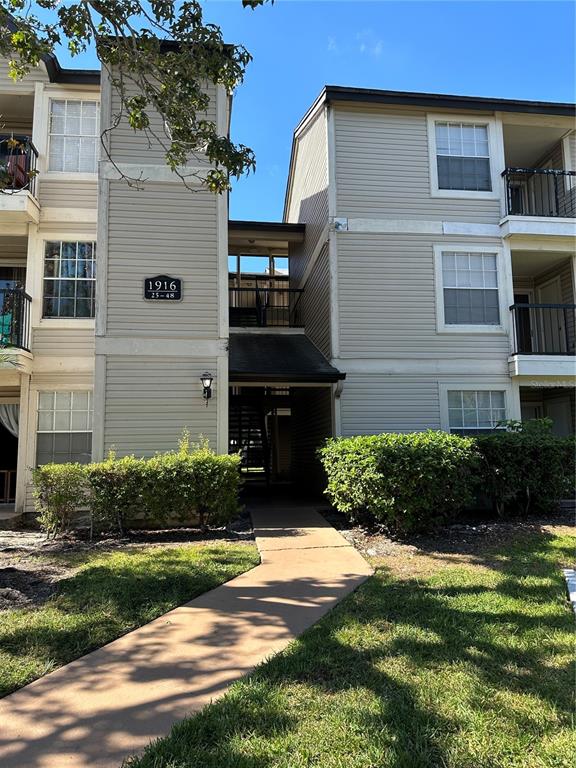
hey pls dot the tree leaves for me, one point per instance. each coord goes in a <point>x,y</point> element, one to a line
<point>160,55</point>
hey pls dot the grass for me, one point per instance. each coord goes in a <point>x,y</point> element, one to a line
<point>449,663</point>
<point>110,595</point>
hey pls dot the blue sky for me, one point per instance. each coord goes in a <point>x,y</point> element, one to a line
<point>512,49</point>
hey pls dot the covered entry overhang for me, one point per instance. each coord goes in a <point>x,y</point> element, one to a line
<point>278,358</point>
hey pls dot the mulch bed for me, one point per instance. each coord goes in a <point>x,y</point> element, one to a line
<point>32,565</point>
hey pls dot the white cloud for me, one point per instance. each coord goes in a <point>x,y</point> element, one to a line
<point>369,44</point>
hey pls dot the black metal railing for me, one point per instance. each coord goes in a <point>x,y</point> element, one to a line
<point>265,307</point>
<point>15,318</point>
<point>543,329</point>
<point>18,164</point>
<point>540,192</point>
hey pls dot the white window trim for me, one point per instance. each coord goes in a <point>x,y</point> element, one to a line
<point>441,325</point>
<point>78,323</point>
<point>494,157</point>
<point>68,175</point>
<point>447,386</point>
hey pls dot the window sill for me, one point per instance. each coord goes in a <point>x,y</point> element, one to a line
<point>475,329</point>
<point>463,194</point>
<point>66,322</point>
<point>68,176</point>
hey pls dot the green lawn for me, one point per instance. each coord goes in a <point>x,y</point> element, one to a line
<point>438,661</point>
<point>110,595</point>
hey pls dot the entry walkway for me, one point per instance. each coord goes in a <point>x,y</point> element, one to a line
<point>97,710</point>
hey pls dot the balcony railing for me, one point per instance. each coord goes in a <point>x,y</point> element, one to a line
<point>15,318</point>
<point>265,307</point>
<point>18,161</point>
<point>543,329</point>
<point>540,192</point>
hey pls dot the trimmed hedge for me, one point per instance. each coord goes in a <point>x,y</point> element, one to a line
<point>416,481</point>
<point>408,481</point>
<point>190,486</point>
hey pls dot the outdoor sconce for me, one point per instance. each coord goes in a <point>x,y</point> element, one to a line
<point>206,380</point>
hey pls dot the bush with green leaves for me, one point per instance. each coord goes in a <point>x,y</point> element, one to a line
<point>525,468</point>
<point>409,482</point>
<point>189,486</point>
<point>116,489</point>
<point>59,493</point>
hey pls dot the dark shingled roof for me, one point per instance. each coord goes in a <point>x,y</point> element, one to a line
<point>278,357</point>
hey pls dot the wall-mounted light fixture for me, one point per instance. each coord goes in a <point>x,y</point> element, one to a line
<point>206,380</point>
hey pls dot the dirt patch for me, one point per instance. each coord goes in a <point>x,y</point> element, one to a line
<point>471,543</point>
<point>31,565</point>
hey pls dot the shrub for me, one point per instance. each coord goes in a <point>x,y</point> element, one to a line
<point>59,492</point>
<point>184,487</point>
<point>526,468</point>
<point>116,491</point>
<point>408,481</point>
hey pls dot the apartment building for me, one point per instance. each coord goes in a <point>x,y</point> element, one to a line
<point>423,277</point>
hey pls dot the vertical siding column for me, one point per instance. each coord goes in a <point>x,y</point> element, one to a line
<point>25,423</point>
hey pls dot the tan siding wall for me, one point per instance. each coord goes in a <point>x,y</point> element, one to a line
<point>387,301</point>
<point>149,401</point>
<point>13,248</point>
<point>374,403</point>
<point>309,198</point>
<point>163,229</point>
<point>7,85</point>
<point>316,303</point>
<point>129,146</point>
<point>382,169</point>
<point>63,342</point>
<point>68,194</point>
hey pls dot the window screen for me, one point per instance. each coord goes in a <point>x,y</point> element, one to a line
<point>470,284</point>
<point>462,157</point>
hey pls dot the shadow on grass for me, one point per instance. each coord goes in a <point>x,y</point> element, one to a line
<point>120,592</point>
<point>352,691</point>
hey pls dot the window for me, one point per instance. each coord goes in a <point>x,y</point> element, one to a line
<point>64,427</point>
<point>470,288</point>
<point>473,410</point>
<point>69,279</point>
<point>74,134</point>
<point>462,157</point>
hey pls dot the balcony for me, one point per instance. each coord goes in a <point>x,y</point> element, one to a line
<point>15,318</point>
<point>543,340</point>
<point>263,307</point>
<point>540,192</point>
<point>18,170</point>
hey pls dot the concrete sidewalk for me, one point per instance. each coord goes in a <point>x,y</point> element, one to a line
<point>103,707</point>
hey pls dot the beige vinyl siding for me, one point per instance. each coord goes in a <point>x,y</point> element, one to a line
<point>54,193</point>
<point>311,425</point>
<point>383,169</point>
<point>63,342</point>
<point>13,249</point>
<point>150,400</point>
<point>316,303</point>
<point>162,229</point>
<point>18,87</point>
<point>387,301</point>
<point>130,146</point>
<point>308,201</point>
<point>375,403</point>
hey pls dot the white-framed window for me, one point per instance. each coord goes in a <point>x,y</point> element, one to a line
<point>64,431</point>
<point>473,410</point>
<point>69,279</point>
<point>463,157</point>
<point>469,292</point>
<point>74,127</point>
